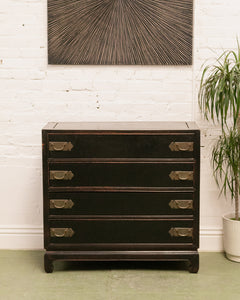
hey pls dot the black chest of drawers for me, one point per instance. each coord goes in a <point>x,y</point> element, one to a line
<point>121,191</point>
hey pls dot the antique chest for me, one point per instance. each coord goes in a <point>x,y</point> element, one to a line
<point>121,191</point>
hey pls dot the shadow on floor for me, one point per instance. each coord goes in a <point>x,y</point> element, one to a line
<point>88,266</point>
<point>36,258</point>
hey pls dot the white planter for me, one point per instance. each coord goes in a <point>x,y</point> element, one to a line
<point>231,237</point>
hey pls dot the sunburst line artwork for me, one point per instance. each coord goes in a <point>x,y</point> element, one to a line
<point>120,32</point>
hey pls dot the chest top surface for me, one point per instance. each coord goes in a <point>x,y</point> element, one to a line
<point>122,126</point>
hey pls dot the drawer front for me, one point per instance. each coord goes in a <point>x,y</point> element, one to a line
<point>120,231</point>
<point>182,145</point>
<point>122,174</point>
<point>121,203</point>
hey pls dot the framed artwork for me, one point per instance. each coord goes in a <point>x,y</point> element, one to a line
<point>120,32</point>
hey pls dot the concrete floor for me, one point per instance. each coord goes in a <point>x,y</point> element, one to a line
<point>22,277</point>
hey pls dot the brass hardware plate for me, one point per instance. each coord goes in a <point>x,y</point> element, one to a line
<point>181,232</point>
<point>61,232</point>
<point>61,203</point>
<point>181,146</point>
<point>60,146</point>
<point>181,204</point>
<point>61,175</point>
<point>181,175</point>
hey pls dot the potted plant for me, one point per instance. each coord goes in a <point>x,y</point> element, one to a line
<point>219,100</point>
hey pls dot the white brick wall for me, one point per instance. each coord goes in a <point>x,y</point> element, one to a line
<point>33,93</point>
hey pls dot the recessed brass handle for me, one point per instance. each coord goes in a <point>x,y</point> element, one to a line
<point>181,204</point>
<point>61,203</point>
<point>181,175</point>
<point>61,175</point>
<point>61,232</point>
<point>60,146</point>
<point>181,146</point>
<point>181,232</point>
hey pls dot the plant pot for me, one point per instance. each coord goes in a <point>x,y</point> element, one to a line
<point>231,237</point>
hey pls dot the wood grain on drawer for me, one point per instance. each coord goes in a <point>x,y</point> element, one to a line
<point>122,173</point>
<point>122,203</point>
<point>121,231</point>
<point>124,145</point>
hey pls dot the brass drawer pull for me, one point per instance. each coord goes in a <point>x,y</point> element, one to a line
<point>61,175</point>
<point>181,146</point>
<point>61,203</point>
<point>181,175</point>
<point>60,146</point>
<point>61,232</point>
<point>181,204</point>
<point>181,232</point>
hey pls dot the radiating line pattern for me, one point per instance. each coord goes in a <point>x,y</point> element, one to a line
<point>120,32</point>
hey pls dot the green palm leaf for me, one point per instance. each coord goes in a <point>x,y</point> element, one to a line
<point>219,93</point>
<point>219,100</point>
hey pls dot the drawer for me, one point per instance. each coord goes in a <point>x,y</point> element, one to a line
<point>122,203</point>
<point>122,145</point>
<point>120,231</point>
<point>122,174</point>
